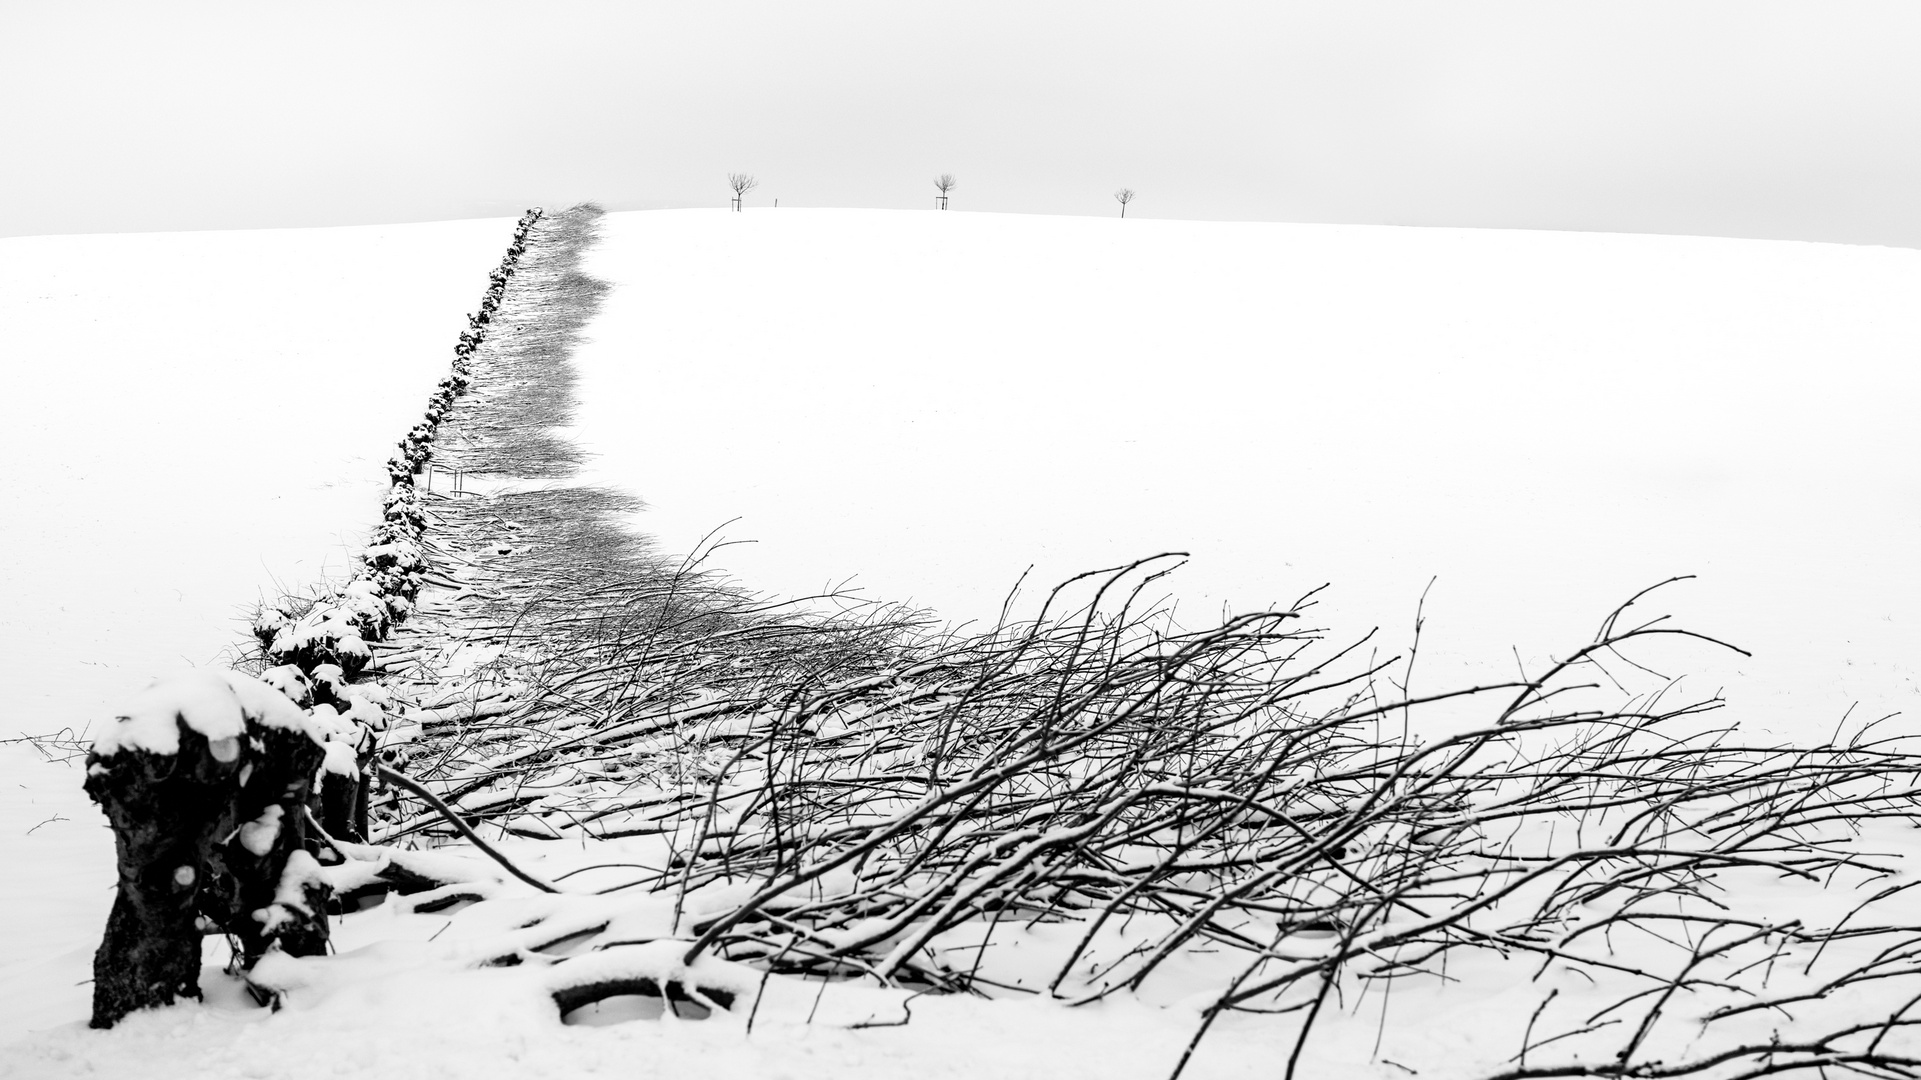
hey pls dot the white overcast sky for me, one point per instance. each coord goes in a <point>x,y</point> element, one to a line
<point>1792,120</point>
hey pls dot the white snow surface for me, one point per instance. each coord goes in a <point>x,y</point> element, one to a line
<point>928,403</point>
<point>190,421</point>
<point>194,420</point>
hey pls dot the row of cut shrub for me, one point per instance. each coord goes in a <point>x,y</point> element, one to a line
<point>214,780</point>
<point>380,593</point>
<point>314,649</point>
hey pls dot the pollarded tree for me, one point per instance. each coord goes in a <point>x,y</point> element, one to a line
<point>742,183</point>
<point>944,183</point>
<point>1124,196</point>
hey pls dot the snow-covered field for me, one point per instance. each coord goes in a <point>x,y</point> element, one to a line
<point>929,403</point>
<point>190,422</point>
<point>193,419</point>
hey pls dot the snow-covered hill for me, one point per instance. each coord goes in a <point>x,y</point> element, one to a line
<point>928,403</point>
<point>190,421</point>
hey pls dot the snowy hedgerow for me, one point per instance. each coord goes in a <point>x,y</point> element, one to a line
<point>401,555</point>
<point>342,739</point>
<point>419,441</point>
<point>398,587</point>
<point>403,507</point>
<point>345,719</point>
<point>388,532</point>
<point>268,621</point>
<point>291,682</point>
<point>324,635</point>
<point>368,611</point>
<point>210,779</point>
<point>392,569</point>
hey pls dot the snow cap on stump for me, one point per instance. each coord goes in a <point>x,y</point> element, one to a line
<point>217,704</point>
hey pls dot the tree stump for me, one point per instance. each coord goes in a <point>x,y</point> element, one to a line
<point>206,782</point>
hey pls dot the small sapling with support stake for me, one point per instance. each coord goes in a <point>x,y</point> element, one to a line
<point>741,183</point>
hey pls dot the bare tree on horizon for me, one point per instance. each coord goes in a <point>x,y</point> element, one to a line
<point>742,183</point>
<point>945,182</point>
<point>1124,196</point>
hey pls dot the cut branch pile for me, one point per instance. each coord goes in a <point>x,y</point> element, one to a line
<point>858,798</point>
<point>831,788</point>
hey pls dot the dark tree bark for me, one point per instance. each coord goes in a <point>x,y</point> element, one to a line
<point>168,813</point>
<point>343,807</point>
<point>202,838</point>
